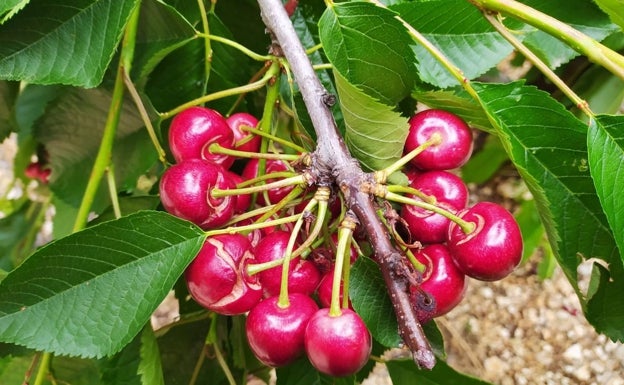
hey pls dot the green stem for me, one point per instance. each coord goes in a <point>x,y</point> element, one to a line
<point>207,46</point>
<point>324,66</point>
<point>241,48</point>
<point>381,176</point>
<point>466,226</point>
<point>103,157</point>
<point>273,71</point>
<point>344,238</point>
<point>253,226</point>
<point>274,138</point>
<point>44,368</point>
<point>538,63</point>
<point>295,180</point>
<point>262,178</point>
<point>410,190</point>
<point>112,190</point>
<point>577,40</point>
<point>216,148</point>
<point>322,197</point>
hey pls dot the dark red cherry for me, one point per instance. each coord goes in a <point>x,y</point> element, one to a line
<point>493,249</point>
<point>250,142</point>
<point>450,193</point>
<point>251,171</point>
<point>324,290</point>
<point>442,279</point>
<point>243,201</point>
<point>275,333</point>
<point>193,130</point>
<point>185,192</point>
<point>217,278</point>
<point>337,345</point>
<point>455,148</point>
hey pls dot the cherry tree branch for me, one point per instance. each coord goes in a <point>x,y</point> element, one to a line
<point>332,162</point>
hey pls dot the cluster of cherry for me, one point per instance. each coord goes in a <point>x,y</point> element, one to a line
<point>252,263</point>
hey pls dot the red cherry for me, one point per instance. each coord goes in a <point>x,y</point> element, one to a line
<point>193,130</point>
<point>324,289</point>
<point>303,276</point>
<point>251,171</point>
<point>493,249</point>
<point>236,121</point>
<point>337,345</point>
<point>353,254</point>
<point>185,192</point>
<point>450,193</point>
<point>217,278</point>
<point>455,148</point>
<point>276,334</point>
<point>243,201</point>
<point>442,279</point>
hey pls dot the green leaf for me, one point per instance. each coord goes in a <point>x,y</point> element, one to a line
<point>9,8</point>
<point>128,205</point>
<point>375,134</point>
<point>605,308</point>
<point>406,373</point>
<point>484,164</point>
<point>8,94</point>
<point>456,101</point>
<point>75,371</point>
<point>606,161</point>
<point>90,293</point>
<point>71,130</point>
<point>582,15</point>
<point>356,38</point>
<point>615,10</point>
<point>367,290</point>
<point>160,31</point>
<point>52,42</point>
<point>12,369</point>
<point>18,233</point>
<point>301,372</point>
<point>459,31</point>
<point>150,367</point>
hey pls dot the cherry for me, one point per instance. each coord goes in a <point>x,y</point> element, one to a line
<point>492,249</point>
<point>185,192</point>
<point>38,171</point>
<point>243,201</point>
<point>217,277</point>
<point>193,130</point>
<point>275,333</point>
<point>236,121</point>
<point>337,345</point>
<point>303,276</point>
<point>450,193</point>
<point>251,171</point>
<point>324,290</point>
<point>455,147</point>
<point>441,278</point>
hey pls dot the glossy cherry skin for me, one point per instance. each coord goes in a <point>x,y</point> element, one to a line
<point>442,279</point>
<point>243,201</point>
<point>303,276</point>
<point>337,345</point>
<point>193,130</point>
<point>275,195</point>
<point>185,192</point>
<point>455,148</point>
<point>493,249</point>
<point>276,334</point>
<point>217,278</point>
<point>451,194</point>
<point>324,290</point>
<point>236,121</point>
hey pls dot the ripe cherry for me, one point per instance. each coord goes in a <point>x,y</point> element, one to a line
<point>251,171</point>
<point>337,345</point>
<point>324,290</point>
<point>243,201</point>
<point>450,193</point>
<point>185,192</point>
<point>275,333</point>
<point>303,276</point>
<point>493,249</point>
<point>193,130</point>
<point>238,120</point>
<point>441,278</point>
<point>455,147</point>
<point>217,278</point>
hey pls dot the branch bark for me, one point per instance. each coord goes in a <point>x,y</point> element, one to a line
<point>333,163</point>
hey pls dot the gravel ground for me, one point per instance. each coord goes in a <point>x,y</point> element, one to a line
<point>515,331</point>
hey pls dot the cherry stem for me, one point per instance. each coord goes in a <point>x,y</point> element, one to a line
<point>253,226</point>
<point>295,180</point>
<point>216,148</point>
<point>467,227</point>
<point>344,239</point>
<point>431,199</point>
<point>381,176</point>
<point>262,178</point>
<point>273,138</point>
<point>322,197</point>
<point>283,301</point>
